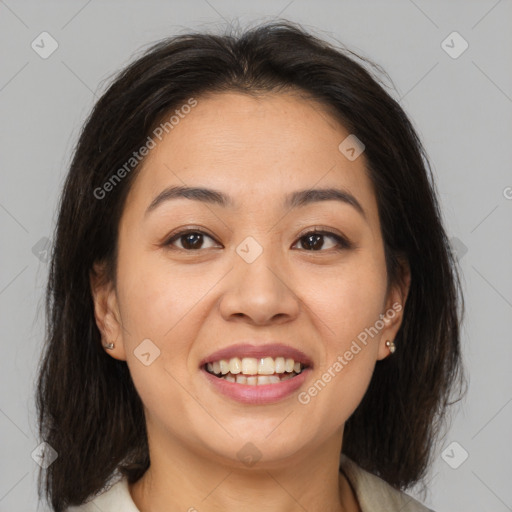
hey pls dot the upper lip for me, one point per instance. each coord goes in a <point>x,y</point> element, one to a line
<point>258,351</point>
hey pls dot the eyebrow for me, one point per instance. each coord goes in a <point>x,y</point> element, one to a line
<point>293,200</point>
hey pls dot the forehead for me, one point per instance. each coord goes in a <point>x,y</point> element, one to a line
<point>254,149</point>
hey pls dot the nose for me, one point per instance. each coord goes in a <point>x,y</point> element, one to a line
<point>260,292</point>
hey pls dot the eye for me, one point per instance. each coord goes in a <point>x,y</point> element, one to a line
<point>313,241</point>
<point>190,240</point>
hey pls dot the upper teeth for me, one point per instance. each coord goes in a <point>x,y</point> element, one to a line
<point>253,366</point>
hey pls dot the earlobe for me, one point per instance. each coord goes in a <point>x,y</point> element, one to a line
<point>393,316</point>
<point>106,313</point>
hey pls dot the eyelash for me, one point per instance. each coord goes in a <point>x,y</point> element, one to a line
<point>343,243</point>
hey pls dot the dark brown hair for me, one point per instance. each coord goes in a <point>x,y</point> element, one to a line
<point>88,408</point>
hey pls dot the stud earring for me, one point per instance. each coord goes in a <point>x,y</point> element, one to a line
<point>109,346</point>
<point>391,346</point>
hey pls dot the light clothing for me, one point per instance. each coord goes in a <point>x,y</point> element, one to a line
<point>115,499</point>
<point>376,495</point>
<point>373,494</point>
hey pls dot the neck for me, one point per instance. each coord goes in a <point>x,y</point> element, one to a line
<point>181,478</point>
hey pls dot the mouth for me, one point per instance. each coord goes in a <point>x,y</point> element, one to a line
<point>257,374</point>
<point>254,371</point>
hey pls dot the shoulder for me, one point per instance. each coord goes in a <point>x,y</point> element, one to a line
<point>376,495</point>
<point>116,498</point>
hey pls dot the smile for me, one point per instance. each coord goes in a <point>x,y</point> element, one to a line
<point>255,371</point>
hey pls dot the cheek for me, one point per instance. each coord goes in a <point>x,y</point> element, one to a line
<point>166,305</point>
<point>155,298</point>
<point>160,307</point>
<point>341,380</point>
<point>348,301</point>
<point>348,313</point>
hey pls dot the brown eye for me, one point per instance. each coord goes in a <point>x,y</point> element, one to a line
<point>314,241</point>
<point>189,240</point>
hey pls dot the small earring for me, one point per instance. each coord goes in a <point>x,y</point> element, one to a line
<point>109,346</point>
<point>391,346</point>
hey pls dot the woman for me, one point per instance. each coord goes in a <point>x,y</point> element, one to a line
<point>252,300</point>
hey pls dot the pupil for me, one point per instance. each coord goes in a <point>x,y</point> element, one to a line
<point>192,240</point>
<point>314,241</point>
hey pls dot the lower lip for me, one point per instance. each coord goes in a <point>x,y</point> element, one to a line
<point>263,394</point>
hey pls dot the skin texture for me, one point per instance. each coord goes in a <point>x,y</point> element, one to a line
<point>192,303</point>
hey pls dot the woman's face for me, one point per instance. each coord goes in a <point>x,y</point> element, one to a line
<point>251,274</point>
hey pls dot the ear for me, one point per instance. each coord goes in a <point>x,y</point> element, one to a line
<point>393,313</point>
<point>106,311</point>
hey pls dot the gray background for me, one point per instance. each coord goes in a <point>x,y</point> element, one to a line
<point>462,108</point>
